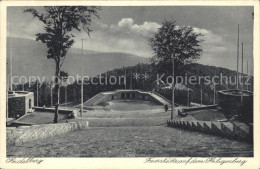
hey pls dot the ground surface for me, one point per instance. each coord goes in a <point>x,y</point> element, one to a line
<point>150,141</point>
<point>130,105</point>
<point>132,133</point>
<point>208,115</point>
<point>40,117</point>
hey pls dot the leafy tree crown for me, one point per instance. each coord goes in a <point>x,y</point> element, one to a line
<point>179,42</point>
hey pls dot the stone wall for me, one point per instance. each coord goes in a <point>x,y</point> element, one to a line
<point>230,102</point>
<point>16,136</point>
<point>199,108</point>
<point>136,95</point>
<point>61,111</point>
<point>29,101</point>
<point>20,105</point>
<point>16,107</point>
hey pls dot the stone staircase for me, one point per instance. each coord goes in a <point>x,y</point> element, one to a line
<point>160,98</point>
<point>236,130</point>
<point>95,98</point>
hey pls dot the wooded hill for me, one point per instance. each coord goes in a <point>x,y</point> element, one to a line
<point>149,84</point>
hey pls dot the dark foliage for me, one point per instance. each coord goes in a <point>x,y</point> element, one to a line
<point>178,42</point>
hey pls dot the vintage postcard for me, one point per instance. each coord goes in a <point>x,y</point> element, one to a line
<point>130,84</point>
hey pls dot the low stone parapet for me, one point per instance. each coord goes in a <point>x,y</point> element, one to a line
<point>16,136</point>
<point>52,110</point>
<point>199,108</point>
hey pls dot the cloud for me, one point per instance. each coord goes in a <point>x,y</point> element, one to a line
<point>127,26</point>
<point>213,44</point>
<point>146,29</point>
<point>129,37</point>
<point>123,36</point>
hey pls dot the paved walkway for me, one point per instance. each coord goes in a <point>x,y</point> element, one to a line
<point>152,141</point>
<point>138,133</point>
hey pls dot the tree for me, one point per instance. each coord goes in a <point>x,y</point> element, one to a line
<point>59,23</point>
<point>170,39</point>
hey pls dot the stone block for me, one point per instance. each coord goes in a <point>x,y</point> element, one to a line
<point>216,128</point>
<point>83,124</point>
<point>87,123</point>
<point>200,126</point>
<point>73,125</point>
<point>24,127</point>
<point>242,131</point>
<point>8,132</point>
<point>80,126</point>
<point>35,126</point>
<point>179,123</point>
<point>19,131</point>
<point>170,123</point>
<point>10,128</point>
<point>10,136</point>
<point>189,125</point>
<point>174,123</point>
<point>194,126</point>
<point>207,127</point>
<point>183,124</point>
<point>228,129</point>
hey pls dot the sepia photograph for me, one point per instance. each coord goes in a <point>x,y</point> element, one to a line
<point>117,81</point>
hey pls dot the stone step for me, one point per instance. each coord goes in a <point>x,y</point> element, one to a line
<point>179,123</point>
<point>216,128</point>
<point>189,125</point>
<point>242,131</point>
<point>227,129</point>
<point>184,124</point>
<point>200,125</point>
<point>207,127</point>
<point>238,131</point>
<point>194,125</point>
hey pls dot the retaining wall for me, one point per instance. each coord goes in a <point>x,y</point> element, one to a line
<point>16,136</point>
<point>20,103</point>
<point>52,110</point>
<point>230,102</point>
<point>200,108</point>
<point>116,95</point>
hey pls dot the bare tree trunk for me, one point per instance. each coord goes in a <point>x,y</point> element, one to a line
<point>57,87</point>
<point>57,105</point>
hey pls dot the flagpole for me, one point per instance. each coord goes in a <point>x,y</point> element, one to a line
<point>242,83</point>
<point>188,102</point>
<point>125,78</point>
<point>201,94</point>
<point>237,54</point>
<point>7,97</point>
<point>172,112</point>
<point>11,56</point>
<point>131,87</point>
<point>37,93</point>
<point>82,79</point>
<point>214,100</point>
<point>247,74</point>
<point>66,95</point>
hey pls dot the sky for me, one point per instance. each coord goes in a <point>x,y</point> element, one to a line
<point>127,29</point>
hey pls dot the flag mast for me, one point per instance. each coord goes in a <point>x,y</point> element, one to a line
<point>237,53</point>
